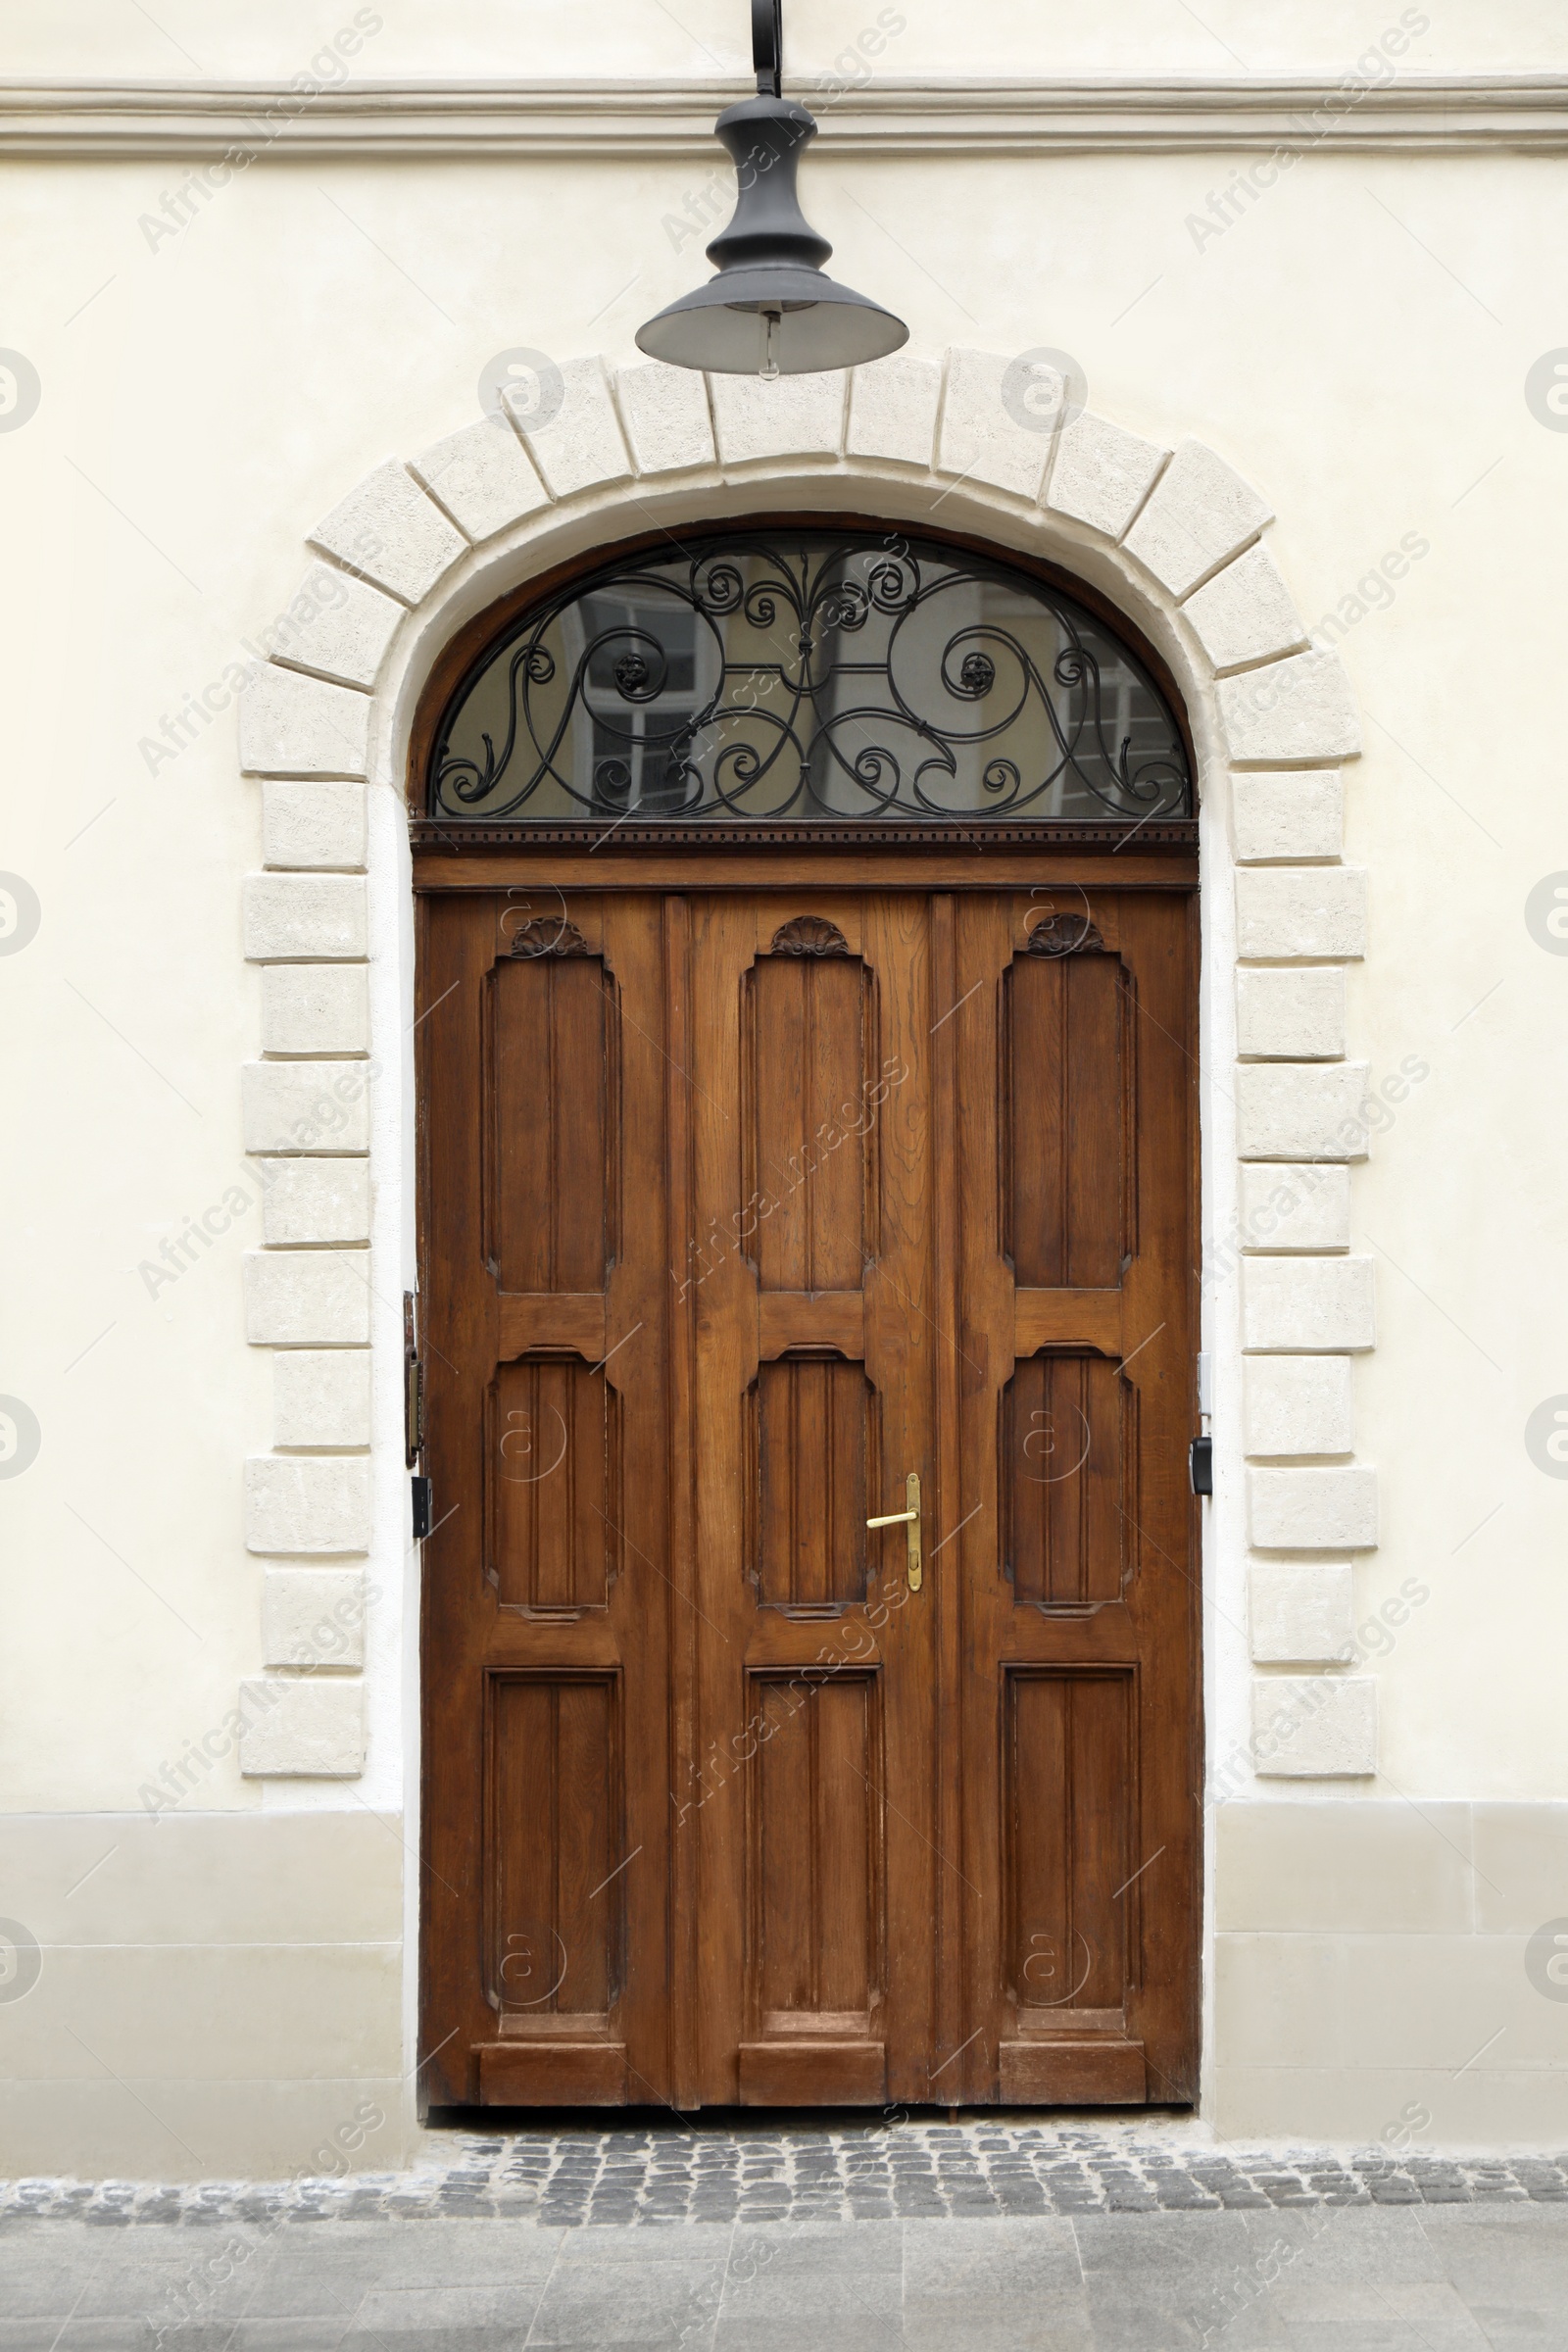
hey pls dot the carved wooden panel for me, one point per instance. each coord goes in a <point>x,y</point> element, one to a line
<point>1068,1120</point>
<point>1070,1829</point>
<point>552,1102</point>
<point>1065,1452</point>
<point>815,1853</point>
<point>553,1485</point>
<point>808,1116</point>
<point>554,1839</point>
<point>812,1449</point>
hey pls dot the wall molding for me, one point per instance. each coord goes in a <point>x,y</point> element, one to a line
<point>409,118</point>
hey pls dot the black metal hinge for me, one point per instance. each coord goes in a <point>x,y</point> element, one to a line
<point>413,1386</point>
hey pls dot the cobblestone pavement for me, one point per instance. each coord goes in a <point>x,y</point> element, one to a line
<point>836,2171</point>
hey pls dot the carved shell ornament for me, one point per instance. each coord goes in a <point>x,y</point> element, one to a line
<point>1063,935</point>
<point>547,935</point>
<point>809,935</point>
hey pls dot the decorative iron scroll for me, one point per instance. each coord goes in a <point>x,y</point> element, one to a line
<point>806,675</point>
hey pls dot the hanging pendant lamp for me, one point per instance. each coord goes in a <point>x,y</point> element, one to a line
<point>770,311</point>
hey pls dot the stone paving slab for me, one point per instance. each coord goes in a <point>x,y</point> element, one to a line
<point>1445,2278</point>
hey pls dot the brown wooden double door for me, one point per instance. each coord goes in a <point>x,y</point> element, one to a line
<point>741,1205</point>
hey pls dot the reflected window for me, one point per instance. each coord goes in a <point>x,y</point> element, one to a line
<point>807,676</point>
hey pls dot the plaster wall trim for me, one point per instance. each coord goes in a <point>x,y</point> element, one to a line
<point>201,117</point>
<point>1158,532</point>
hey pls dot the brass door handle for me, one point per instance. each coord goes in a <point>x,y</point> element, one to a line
<point>910,1521</point>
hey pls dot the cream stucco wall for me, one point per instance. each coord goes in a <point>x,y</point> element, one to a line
<point>1357,344</point>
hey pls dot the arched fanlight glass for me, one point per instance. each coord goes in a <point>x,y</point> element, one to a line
<point>809,677</point>
<point>771,311</point>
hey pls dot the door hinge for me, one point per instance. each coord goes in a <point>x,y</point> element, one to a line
<point>1200,1465</point>
<point>413,1387</point>
<point>423,1508</point>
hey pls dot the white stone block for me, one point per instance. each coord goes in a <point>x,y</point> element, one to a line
<point>892,410</point>
<point>582,444</point>
<point>1245,613</point>
<point>665,415</point>
<point>293,725</point>
<point>1307,1304</point>
<point>1199,511</point>
<point>799,417</point>
<point>1302,1615</point>
<point>1313,1510</point>
<point>313,1617</point>
<point>1303,1207</point>
<point>1297,1013</point>
<point>320,826</point>
<point>1300,910</point>
<point>307,1106</point>
<point>308,1504</point>
<point>1297,815</point>
<point>1301,1110</point>
<point>978,438</point>
<point>336,626</point>
<point>308,1299</point>
<point>1298,709</point>
<point>303,917</point>
<point>315,1200</point>
<point>1102,475</point>
<point>482,476</point>
<point>322,1397</point>
<point>1294,1404</point>
<point>389,529</point>
<point>1316,1726</point>
<point>309,1727</point>
<point>316,1008</point>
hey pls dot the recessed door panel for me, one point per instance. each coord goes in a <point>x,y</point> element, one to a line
<point>815,1855</point>
<point>1071,1800</point>
<point>814,1424</point>
<point>1067,1452</point>
<point>554,1114</point>
<point>1066,1117</point>
<point>554,1834</point>
<point>808,1017</point>
<point>555,1484</point>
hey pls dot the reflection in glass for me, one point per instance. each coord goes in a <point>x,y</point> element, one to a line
<point>808,676</point>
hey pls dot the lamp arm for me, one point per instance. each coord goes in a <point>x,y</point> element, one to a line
<point>768,46</point>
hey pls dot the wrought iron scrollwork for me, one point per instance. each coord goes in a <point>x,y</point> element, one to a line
<point>805,675</point>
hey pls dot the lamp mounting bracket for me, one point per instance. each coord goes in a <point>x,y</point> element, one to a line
<point>768,46</point>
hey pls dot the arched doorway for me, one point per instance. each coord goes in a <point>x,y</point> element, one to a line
<point>807,1028</point>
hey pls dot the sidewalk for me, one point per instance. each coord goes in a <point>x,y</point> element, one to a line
<point>496,2248</point>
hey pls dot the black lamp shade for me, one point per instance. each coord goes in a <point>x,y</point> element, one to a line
<point>770,311</point>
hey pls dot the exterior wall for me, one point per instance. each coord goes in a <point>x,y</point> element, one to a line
<point>227,1977</point>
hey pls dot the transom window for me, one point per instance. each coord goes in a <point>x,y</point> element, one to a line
<point>808,676</point>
